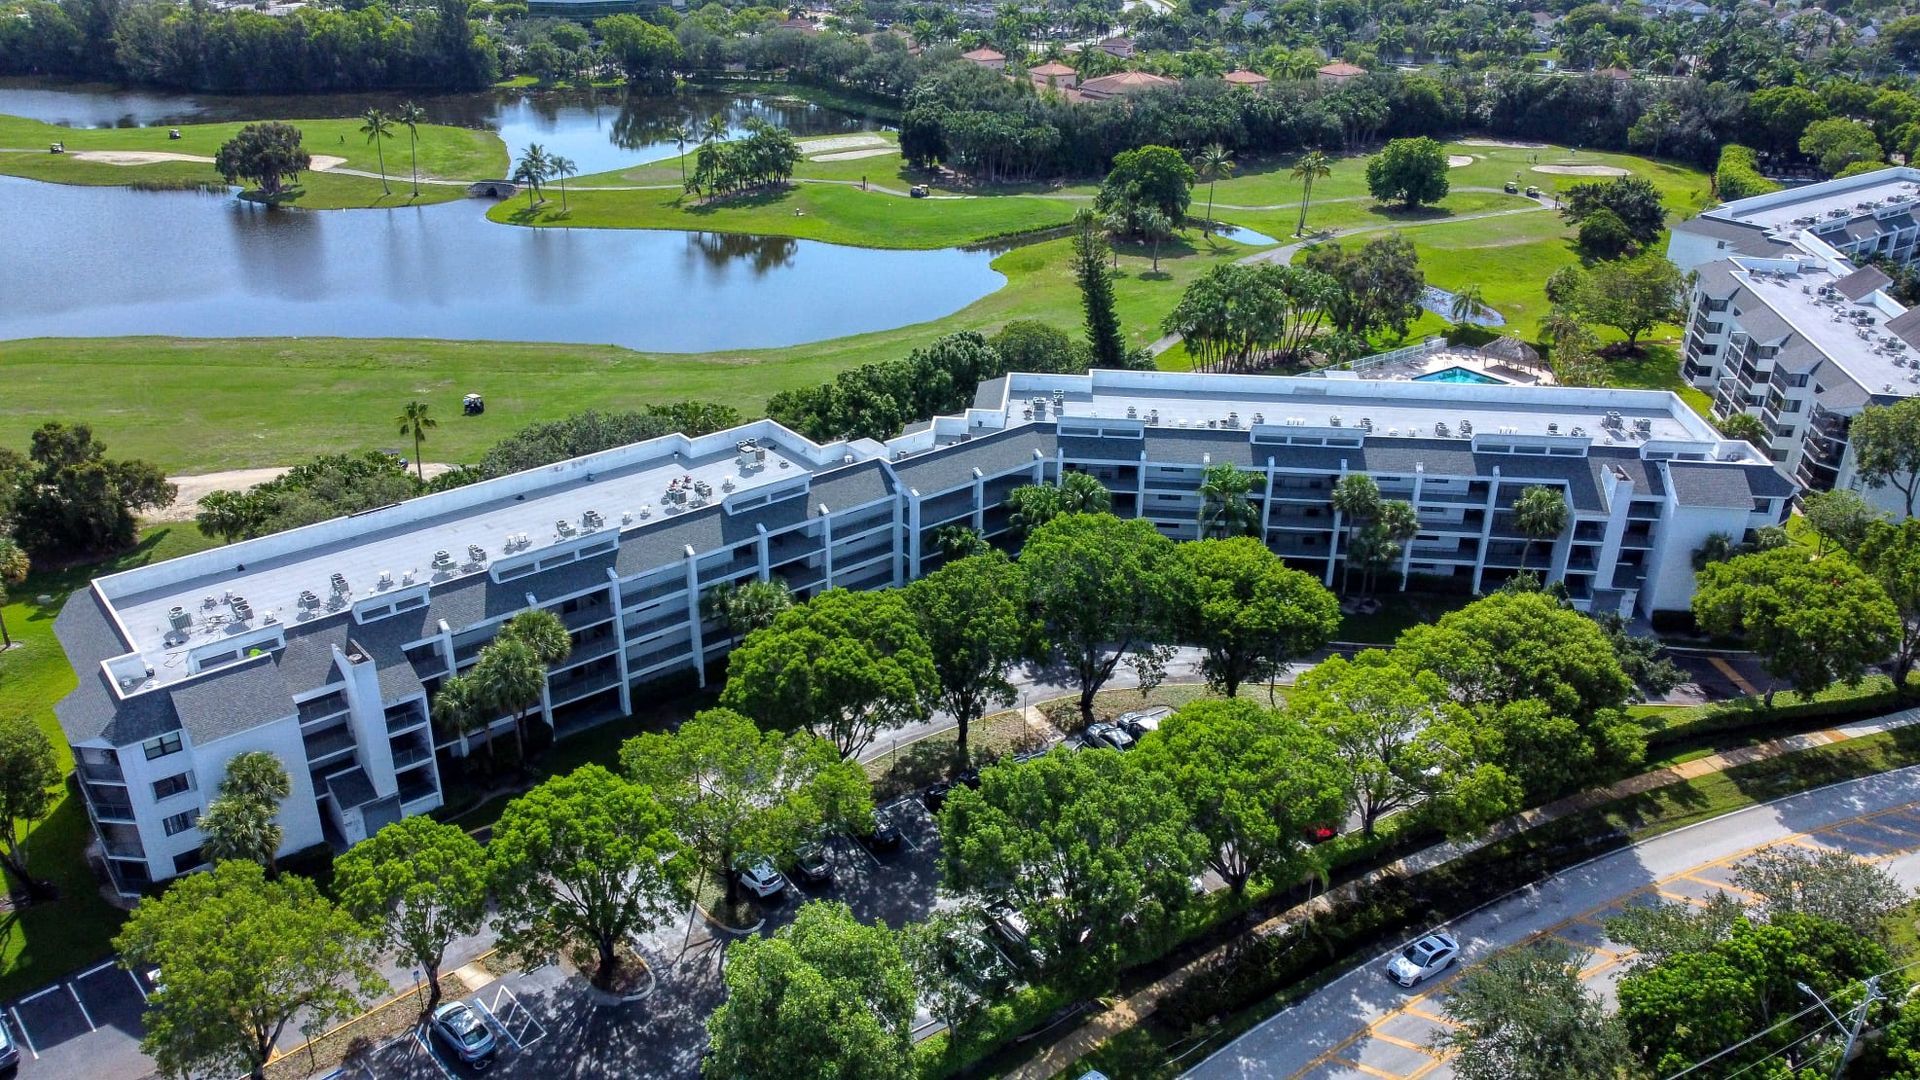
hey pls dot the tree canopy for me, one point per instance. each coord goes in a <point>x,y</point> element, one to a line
<point>268,154</point>
<point>1156,177</point>
<point>242,957</point>
<point>1814,621</point>
<point>1409,171</point>
<point>1886,448</point>
<point>419,882</point>
<point>1524,1014</point>
<point>973,614</point>
<point>71,499</point>
<point>30,776</point>
<point>1250,612</point>
<point>1098,587</point>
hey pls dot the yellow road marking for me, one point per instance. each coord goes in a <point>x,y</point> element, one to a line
<point>1733,676</point>
<point>1368,1069</point>
<point>1396,1040</point>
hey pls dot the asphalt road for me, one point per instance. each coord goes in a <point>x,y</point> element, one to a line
<point>1363,1026</point>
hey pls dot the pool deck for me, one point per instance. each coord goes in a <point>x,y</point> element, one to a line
<point>1498,370</point>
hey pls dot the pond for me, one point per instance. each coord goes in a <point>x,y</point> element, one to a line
<point>91,261</point>
<point>598,129</point>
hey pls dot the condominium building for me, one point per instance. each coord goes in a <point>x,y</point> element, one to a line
<point>1787,320</point>
<point>325,645</point>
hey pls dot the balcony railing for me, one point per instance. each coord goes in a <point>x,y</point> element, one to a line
<point>101,772</point>
<point>405,757</point>
<point>111,810</point>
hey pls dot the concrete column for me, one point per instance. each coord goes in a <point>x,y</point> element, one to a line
<point>620,640</point>
<point>826,544</point>
<point>695,638</point>
<point>1406,553</point>
<point>1486,528</point>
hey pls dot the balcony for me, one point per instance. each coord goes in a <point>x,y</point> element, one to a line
<point>418,790</point>
<point>326,744</point>
<point>408,755</point>
<point>323,708</point>
<point>587,616</point>
<point>101,772</point>
<point>405,718</point>
<point>122,843</point>
<point>111,810</point>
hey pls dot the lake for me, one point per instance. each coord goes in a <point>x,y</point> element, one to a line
<point>97,261</point>
<point>598,129</point>
<point>91,261</point>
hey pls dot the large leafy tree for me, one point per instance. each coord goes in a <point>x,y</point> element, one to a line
<point>1099,587</point>
<point>269,154</point>
<point>74,500</point>
<point>1840,518</point>
<point>1744,989</point>
<point>1837,142</point>
<point>1404,741</point>
<point>1156,177</point>
<point>843,666</point>
<point>973,613</point>
<point>1247,609</point>
<point>1409,171</point>
<point>1380,284</point>
<point>1255,784</point>
<point>242,957</point>
<point>1837,886</point>
<point>1886,448</point>
<point>824,996</point>
<point>585,861</point>
<point>1891,553</point>
<point>1814,621</point>
<point>1030,506</point>
<point>731,789</point>
<point>1632,200</point>
<point>1525,1015</point>
<point>419,882</point>
<point>1544,676</point>
<point>29,783</point>
<point>1631,295</point>
<point>14,565</point>
<point>1082,845</point>
<point>644,51</point>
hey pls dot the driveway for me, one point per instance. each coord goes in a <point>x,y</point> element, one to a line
<point>1362,1026</point>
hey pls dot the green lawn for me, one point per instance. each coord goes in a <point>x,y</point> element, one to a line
<point>46,941</point>
<point>278,400</point>
<point>452,152</point>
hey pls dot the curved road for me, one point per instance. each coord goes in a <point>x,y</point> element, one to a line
<point>1364,1027</point>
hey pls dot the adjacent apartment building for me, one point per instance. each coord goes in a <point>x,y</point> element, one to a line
<point>325,644</point>
<point>1789,322</point>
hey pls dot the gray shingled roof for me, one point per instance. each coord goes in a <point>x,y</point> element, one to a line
<point>94,711</point>
<point>1866,280</point>
<point>1701,484</point>
<point>1741,238</point>
<point>351,788</point>
<point>990,394</point>
<point>951,466</point>
<point>1768,482</point>
<point>1906,326</point>
<point>233,700</point>
<point>1762,323</point>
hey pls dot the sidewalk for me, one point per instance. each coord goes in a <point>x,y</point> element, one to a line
<point>1126,1012</point>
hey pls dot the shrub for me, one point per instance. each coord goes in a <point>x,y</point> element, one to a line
<point>1738,174</point>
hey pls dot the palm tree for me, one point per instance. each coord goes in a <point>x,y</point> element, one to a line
<point>1115,224</point>
<point>543,632</point>
<point>256,775</point>
<point>1466,305</point>
<point>1313,165</point>
<point>534,168</point>
<point>1380,544</point>
<point>714,130</point>
<point>1540,513</point>
<point>239,828</point>
<point>377,128</point>
<point>525,175</point>
<point>1154,227</point>
<point>562,168</point>
<point>459,710</point>
<point>414,421</point>
<point>14,566</point>
<point>681,134</point>
<point>1213,162</point>
<point>510,677</point>
<point>1356,498</point>
<point>411,116</point>
<point>1225,509</point>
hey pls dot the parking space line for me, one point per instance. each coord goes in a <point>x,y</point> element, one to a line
<point>1429,1067</point>
<point>97,968</point>
<point>84,1014</point>
<point>137,985</point>
<point>1680,898</point>
<point>517,1009</point>
<point>24,1037</point>
<point>37,995</point>
<point>420,1036</point>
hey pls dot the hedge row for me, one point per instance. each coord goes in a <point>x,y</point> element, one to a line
<point>1738,174</point>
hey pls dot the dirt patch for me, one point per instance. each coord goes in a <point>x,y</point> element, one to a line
<point>815,147</point>
<point>1504,143</point>
<point>198,486</point>
<point>322,162</point>
<point>1582,170</point>
<point>1458,161</point>
<point>849,155</point>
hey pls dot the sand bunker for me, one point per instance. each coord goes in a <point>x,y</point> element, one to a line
<point>198,486</point>
<point>1582,170</point>
<point>814,147</point>
<point>1505,143</point>
<point>1457,161</point>
<point>321,162</point>
<point>849,155</point>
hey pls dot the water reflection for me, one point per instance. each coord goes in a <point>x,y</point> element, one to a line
<point>87,261</point>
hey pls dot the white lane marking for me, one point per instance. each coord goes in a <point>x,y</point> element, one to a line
<point>24,1037</point>
<point>84,1014</point>
<point>138,986</point>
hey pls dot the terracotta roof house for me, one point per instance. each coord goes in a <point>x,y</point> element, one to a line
<point>1121,47</point>
<point>1054,75</point>
<point>991,59</point>
<point>1615,74</point>
<point>1339,72</point>
<point>1125,84</point>
<point>1245,78</point>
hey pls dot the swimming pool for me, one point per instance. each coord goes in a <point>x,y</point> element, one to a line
<point>1456,374</point>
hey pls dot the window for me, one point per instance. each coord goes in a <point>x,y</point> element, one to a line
<point>187,860</point>
<point>172,785</point>
<point>162,746</point>
<point>181,821</point>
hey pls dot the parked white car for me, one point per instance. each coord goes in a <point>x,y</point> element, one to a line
<point>761,879</point>
<point>1424,959</point>
<point>1109,736</point>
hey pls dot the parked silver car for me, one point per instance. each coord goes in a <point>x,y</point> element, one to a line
<point>460,1026</point>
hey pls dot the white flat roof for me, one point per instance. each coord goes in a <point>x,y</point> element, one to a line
<point>1870,356</point>
<point>1825,201</point>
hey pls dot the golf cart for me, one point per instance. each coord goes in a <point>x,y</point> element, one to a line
<point>473,405</point>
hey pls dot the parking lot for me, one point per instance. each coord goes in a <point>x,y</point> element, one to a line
<point>85,1025</point>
